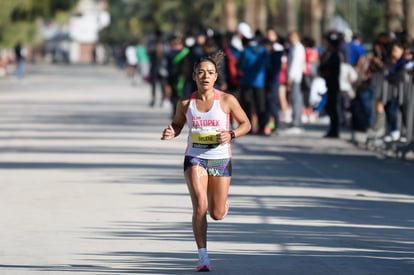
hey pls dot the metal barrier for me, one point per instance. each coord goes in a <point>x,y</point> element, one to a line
<point>406,144</point>
<point>403,89</point>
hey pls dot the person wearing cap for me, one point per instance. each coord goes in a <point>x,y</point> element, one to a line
<point>243,30</point>
<point>252,64</point>
<point>329,69</point>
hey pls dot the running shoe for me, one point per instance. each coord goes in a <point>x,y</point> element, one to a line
<point>272,126</point>
<point>203,264</point>
<point>267,131</point>
<point>254,130</point>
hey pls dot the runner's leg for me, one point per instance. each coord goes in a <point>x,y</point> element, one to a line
<point>218,190</point>
<point>197,181</point>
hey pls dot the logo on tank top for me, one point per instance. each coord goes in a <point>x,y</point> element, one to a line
<point>198,122</point>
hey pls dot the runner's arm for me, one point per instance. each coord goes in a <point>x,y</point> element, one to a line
<point>174,129</point>
<point>240,116</point>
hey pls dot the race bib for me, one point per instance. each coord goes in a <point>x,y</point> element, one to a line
<point>204,138</point>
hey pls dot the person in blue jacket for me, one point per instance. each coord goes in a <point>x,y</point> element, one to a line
<point>252,64</point>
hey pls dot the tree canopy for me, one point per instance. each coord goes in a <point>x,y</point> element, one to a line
<point>18,19</point>
<point>131,19</point>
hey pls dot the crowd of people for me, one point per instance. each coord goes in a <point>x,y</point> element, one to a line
<point>284,82</point>
<point>256,71</point>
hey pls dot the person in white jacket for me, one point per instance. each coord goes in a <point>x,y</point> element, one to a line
<point>347,78</point>
<point>132,62</point>
<point>296,67</point>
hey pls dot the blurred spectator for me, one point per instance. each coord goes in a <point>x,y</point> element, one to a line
<point>347,78</point>
<point>356,53</point>
<point>311,70</point>
<point>175,79</point>
<point>144,62</point>
<point>192,43</point>
<point>231,73</point>
<point>20,59</point>
<point>158,71</point>
<point>329,69</point>
<point>118,51</point>
<point>132,62</point>
<point>273,67</point>
<point>285,110</point>
<point>296,69</point>
<point>361,105</point>
<point>243,30</point>
<point>5,61</point>
<point>317,97</point>
<point>395,76</point>
<point>376,66</point>
<point>252,64</point>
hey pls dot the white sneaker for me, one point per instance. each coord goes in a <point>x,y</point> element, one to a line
<point>304,118</point>
<point>313,117</point>
<point>395,135</point>
<point>294,131</point>
<point>286,116</point>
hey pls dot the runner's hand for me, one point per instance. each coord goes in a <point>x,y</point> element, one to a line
<point>168,133</point>
<point>223,136</point>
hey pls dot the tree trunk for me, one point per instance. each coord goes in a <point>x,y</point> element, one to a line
<point>287,16</point>
<point>256,14</point>
<point>250,12</point>
<point>291,12</point>
<point>329,7</point>
<point>394,14</point>
<point>409,19</point>
<point>261,19</point>
<point>312,16</point>
<point>229,20</point>
<point>272,8</point>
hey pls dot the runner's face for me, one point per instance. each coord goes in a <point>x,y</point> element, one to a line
<point>205,75</point>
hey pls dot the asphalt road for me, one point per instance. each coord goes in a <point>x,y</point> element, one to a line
<point>88,187</point>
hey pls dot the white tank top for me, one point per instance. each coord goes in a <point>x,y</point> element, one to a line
<point>202,140</point>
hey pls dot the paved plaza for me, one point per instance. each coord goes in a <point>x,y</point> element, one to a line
<point>88,187</point>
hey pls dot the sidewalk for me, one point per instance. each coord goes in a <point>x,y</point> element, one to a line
<point>88,187</point>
